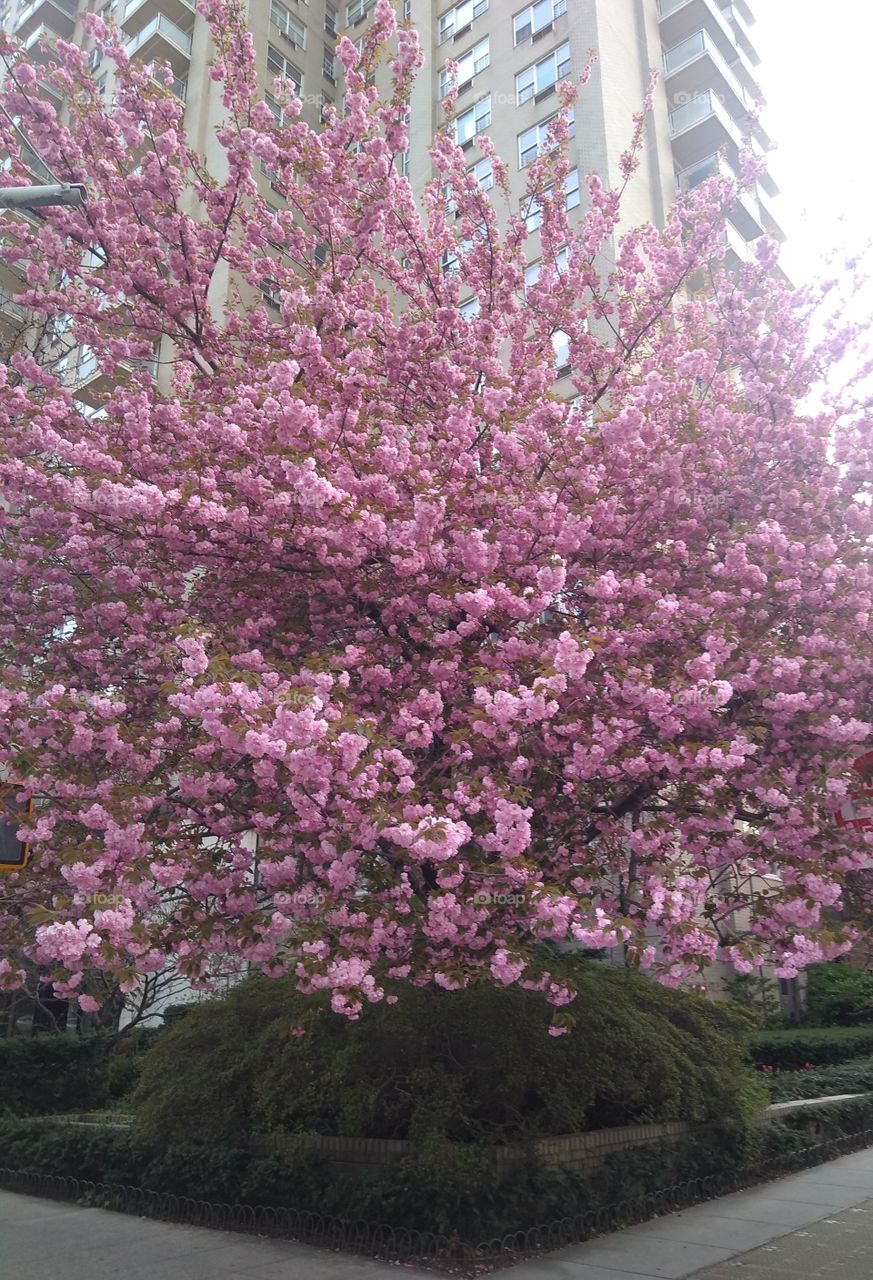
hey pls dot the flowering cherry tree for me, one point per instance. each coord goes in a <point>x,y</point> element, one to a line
<point>349,649</point>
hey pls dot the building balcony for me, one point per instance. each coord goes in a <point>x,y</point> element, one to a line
<point>40,46</point>
<point>741,18</point>
<point>139,13</point>
<point>695,66</point>
<point>58,15</point>
<point>178,88</point>
<point>13,317</point>
<point>751,215</point>
<point>35,167</point>
<point>681,19</point>
<point>746,215</point>
<point>92,384</point>
<point>161,40</point>
<point>702,127</point>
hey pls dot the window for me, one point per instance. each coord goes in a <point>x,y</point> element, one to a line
<point>469,65</point>
<point>278,112</point>
<point>330,16</point>
<point>328,64</point>
<point>450,260</point>
<point>571,189</point>
<point>325,103</point>
<point>356,11</point>
<point>86,365</point>
<point>543,75</point>
<point>483,172</point>
<point>460,17</point>
<point>469,309</point>
<point>532,142</point>
<point>536,18</point>
<point>280,66</point>
<point>288,23</point>
<point>532,271</point>
<point>271,292</point>
<point>473,121</point>
<point>561,345</point>
<point>403,163</point>
<point>534,215</point>
<point>449,264</point>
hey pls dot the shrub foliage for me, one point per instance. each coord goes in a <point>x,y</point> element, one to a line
<point>53,1074</point>
<point>821,1046</point>
<point>839,995</point>
<point>473,1067</point>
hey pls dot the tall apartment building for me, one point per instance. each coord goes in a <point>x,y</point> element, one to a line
<point>511,57</point>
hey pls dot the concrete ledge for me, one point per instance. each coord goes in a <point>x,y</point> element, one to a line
<point>778,1109</point>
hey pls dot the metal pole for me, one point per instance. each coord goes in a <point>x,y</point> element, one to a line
<point>59,193</point>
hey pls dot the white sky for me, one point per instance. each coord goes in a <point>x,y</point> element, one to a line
<point>817,74</point>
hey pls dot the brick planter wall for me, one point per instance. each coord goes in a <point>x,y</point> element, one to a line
<point>572,1151</point>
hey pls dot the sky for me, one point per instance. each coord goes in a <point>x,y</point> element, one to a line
<point>817,78</point>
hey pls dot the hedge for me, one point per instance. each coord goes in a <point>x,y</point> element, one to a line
<point>855,1076</point>
<point>48,1074</point>
<point>442,1189</point>
<point>839,994</point>
<point>475,1067</point>
<point>820,1046</point>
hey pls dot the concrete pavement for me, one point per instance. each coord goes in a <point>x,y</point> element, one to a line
<point>816,1225</point>
<point>48,1240</point>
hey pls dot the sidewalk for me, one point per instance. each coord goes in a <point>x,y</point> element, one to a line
<point>816,1225</point>
<point>809,1225</point>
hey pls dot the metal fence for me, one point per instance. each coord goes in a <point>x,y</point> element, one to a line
<point>453,1257</point>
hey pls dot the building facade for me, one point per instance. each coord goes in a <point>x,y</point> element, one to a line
<point>510,58</point>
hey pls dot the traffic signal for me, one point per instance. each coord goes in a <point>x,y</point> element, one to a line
<point>14,853</point>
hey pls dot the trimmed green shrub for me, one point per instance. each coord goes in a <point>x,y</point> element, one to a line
<point>447,1189</point>
<point>474,1067</point>
<point>820,1046</point>
<point>444,1188</point>
<point>53,1074</point>
<point>839,995</point>
<point>100,1153</point>
<point>855,1076</point>
<point>837,1121</point>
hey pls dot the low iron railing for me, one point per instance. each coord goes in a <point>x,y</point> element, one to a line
<point>451,1256</point>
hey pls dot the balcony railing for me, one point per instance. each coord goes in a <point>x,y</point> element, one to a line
<point>177,86</point>
<point>57,13</point>
<point>734,14</point>
<point>32,45</point>
<point>701,108</point>
<point>701,45</point>
<point>161,26</point>
<point>139,12</point>
<point>9,306</point>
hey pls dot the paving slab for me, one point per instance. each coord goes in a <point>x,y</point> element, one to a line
<point>839,1247</point>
